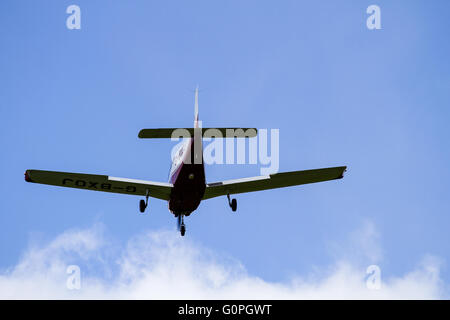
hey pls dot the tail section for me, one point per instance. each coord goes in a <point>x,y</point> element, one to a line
<point>205,132</point>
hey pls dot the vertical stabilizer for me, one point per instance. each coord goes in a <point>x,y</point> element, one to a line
<point>197,156</point>
<point>196,105</point>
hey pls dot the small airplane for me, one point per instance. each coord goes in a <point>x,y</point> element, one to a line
<point>187,185</point>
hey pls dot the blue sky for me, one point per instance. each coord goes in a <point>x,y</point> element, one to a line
<point>340,94</point>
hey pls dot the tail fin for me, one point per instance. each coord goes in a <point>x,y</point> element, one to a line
<point>196,108</point>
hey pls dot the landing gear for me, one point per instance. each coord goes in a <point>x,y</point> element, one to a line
<point>232,203</point>
<point>143,204</point>
<point>181,225</point>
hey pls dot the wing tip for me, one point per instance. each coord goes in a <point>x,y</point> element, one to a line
<point>27,176</point>
<point>344,169</point>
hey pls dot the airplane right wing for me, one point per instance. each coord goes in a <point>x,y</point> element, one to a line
<point>277,180</point>
<point>95,182</point>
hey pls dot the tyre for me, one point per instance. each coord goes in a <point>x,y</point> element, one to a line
<point>233,204</point>
<point>142,206</point>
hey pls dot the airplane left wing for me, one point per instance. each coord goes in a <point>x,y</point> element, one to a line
<point>159,190</point>
<point>277,180</point>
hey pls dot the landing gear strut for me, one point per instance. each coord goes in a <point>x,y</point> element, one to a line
<point>232,203</point>
<point>181,225</point>
<point>143,204</point>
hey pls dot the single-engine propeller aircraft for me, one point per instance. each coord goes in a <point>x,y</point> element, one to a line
<point>187,186</point>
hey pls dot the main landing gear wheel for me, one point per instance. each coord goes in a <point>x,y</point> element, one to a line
<point>143,204</point>
<point>232,203</point>
<point>182,230</point>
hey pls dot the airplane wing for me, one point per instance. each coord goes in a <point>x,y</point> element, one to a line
<point>159,190</point>
<point>278,180</point>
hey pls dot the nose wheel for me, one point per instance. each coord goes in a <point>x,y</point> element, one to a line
<point>232,203</point>
<point>181,225</point>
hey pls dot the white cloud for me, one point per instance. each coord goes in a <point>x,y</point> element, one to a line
<point>162,265</point>
<point>362,245</point>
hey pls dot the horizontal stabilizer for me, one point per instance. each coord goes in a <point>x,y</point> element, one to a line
<point>206,132</point>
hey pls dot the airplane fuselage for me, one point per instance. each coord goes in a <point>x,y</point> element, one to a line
<point>188,178</point>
